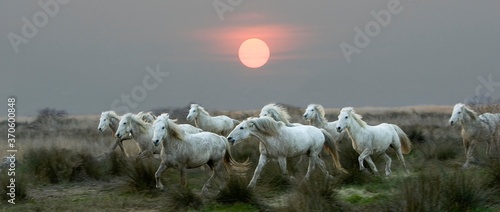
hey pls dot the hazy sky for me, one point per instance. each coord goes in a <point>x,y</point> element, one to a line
<point>88,56</point>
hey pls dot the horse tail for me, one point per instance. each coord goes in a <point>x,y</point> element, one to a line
<point>230,163</point>
<point>403,139</point>
<point>331,145</point>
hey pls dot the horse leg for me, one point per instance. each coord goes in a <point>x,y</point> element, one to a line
<point>362,157</point>
<point>158,173</point>
<point>215,167</point>
<point>120,144</point>
<point>182,171</point>
<point>467,147</point>
<point>322,167</point>
<point>496,140</point>
<point>388,162</point>
<point>114,145</point>
<point>370,162</point>
<point>399,153</point>
<point>312,163</point>
<point>258,170</point>
<point>469,153</point>
<point>488,147</point>
<point>282,164</point>
<point>471,150</point>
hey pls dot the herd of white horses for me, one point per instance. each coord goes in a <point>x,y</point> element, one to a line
<point>184,146</point>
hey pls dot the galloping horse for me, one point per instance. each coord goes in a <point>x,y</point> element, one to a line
<point>368,140</point>
<point>315,114</point>
<point>183,151</point>
<point>475,129</point>
<point>111,119</point>
<point>280,142</point>
<point>221,125</point>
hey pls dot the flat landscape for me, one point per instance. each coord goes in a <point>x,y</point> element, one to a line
<point>63,163</point>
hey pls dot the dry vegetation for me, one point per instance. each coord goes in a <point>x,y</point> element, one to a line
<point>64,164</point>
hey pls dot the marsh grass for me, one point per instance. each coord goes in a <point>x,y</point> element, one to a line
<point>183,199</point>
<point>433,190</point>
<point>72,151</point>
<point>141,175</point>
<point>236,192</point>
<point>20,186</point>
<point>317,194</point>
<point>56,165</point>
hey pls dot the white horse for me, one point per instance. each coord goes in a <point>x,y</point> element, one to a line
<point>475,129</point>
<point>111,119</point>
<point>278,113</point>
<point>315,114</point>
<point>221,125</point>
<point>280,142</point>
<point>183,151</point>
<point>142,132</point>
<point>373,140</point>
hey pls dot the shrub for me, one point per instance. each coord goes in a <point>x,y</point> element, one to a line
<point>56,165</point>
<point>455,191</point>
<point>317,194</point>
<point>183,199</point>
<point>236,191</point>
<point>141,175</point>
<point>21,188</point>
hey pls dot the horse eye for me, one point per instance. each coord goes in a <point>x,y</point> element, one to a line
<point>104,119</point>
<point>163,128</point>
<point>124,123</point>
<point>312,109</point>
<point>241,128</point>
<point>346,117</point>
<point>459,112</point>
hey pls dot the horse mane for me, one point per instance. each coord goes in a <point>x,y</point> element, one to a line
<point>112,115</point>
<point>266,125</point>
<point>278,112</point>
<point>321,111</point>
<point>143,126</point>
<point>146,116</point>
<point>172,128</point>
<point>358,118</point>
<point>472,114</point>
<point>201,109</point>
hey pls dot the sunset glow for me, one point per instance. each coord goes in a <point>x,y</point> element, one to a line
<point>254,53</point>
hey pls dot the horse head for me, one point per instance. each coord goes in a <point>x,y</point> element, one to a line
<point>344,119</point>
<point>310,112</point>
<point>159,128</point>
<point>193,112</point>
<point>124,125</point>
<point>241,132</point>
<point>457,114</point>
<point>103,121</point>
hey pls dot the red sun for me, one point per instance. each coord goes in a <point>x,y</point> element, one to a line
<point>254,53</point>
